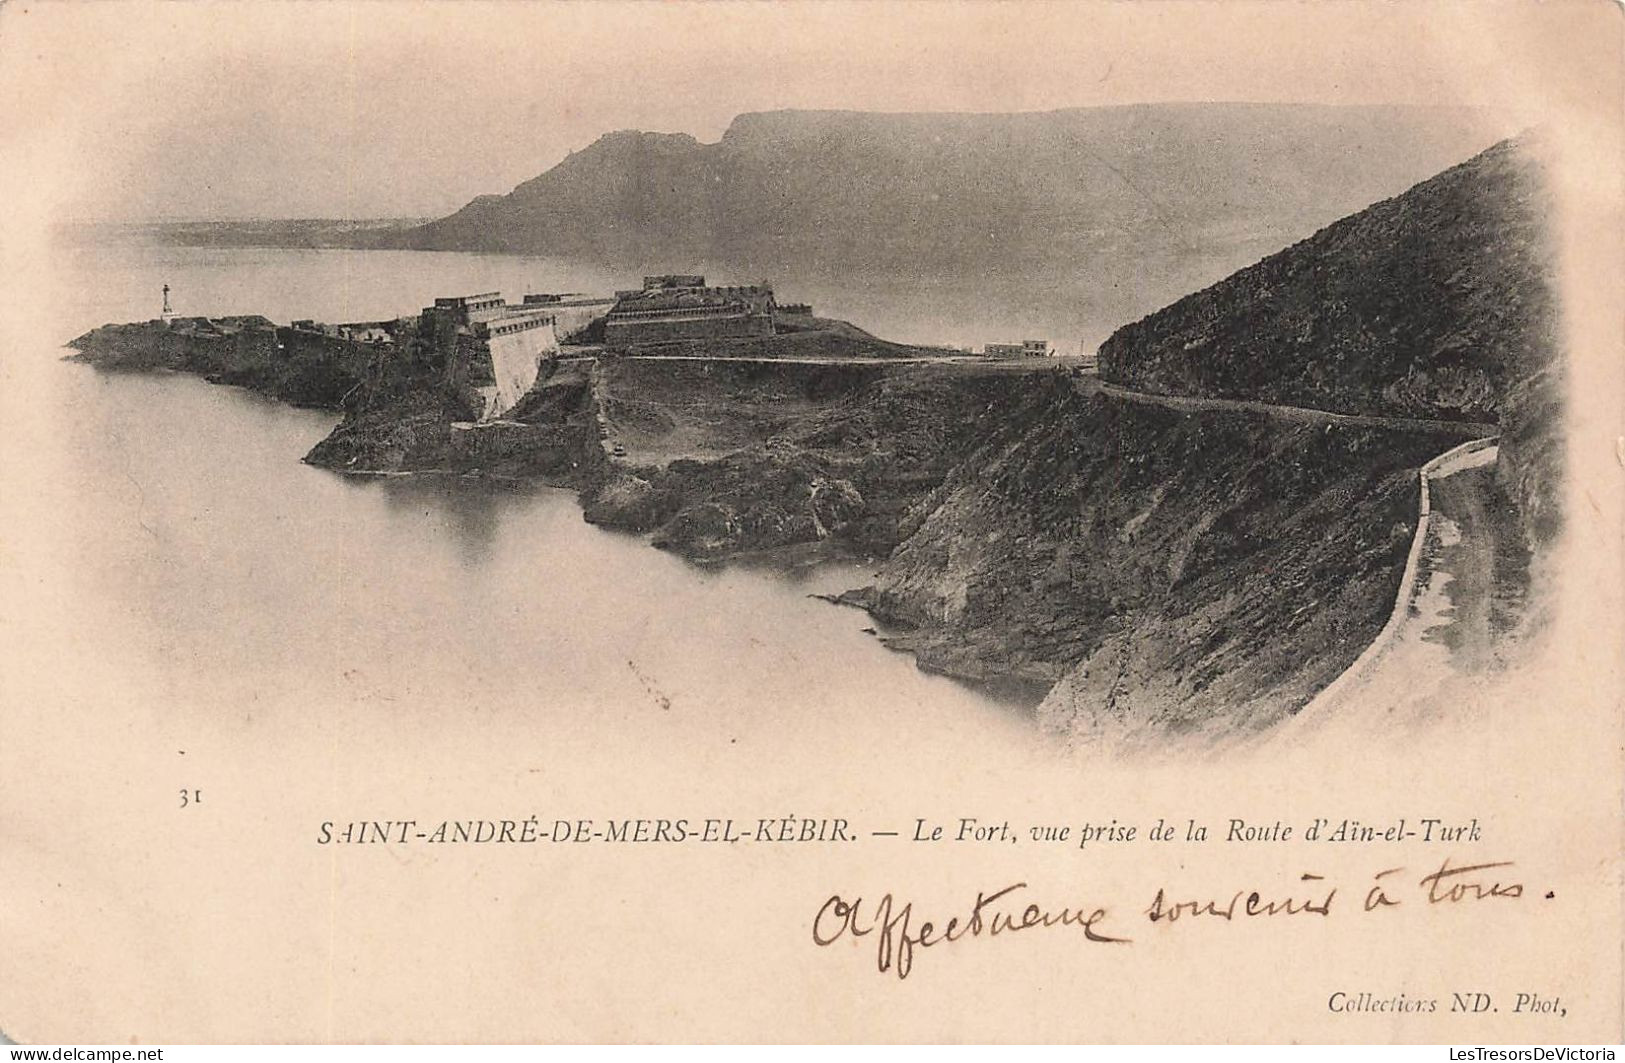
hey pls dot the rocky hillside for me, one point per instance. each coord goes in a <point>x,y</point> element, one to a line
<point>1204,572</point>
<point>552,435</point>
<point>1423,305</point>
<point>1197,565</point>
<point>723,460</point>
<point>830,193</point>
<point>1531,462</point>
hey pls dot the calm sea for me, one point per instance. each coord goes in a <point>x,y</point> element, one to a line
<point>190,614</point>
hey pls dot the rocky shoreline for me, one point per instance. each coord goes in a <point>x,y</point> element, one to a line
<point>1024,529</point>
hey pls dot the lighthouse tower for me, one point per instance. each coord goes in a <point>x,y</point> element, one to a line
<point>168,314</point>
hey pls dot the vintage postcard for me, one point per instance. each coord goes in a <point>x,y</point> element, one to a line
<point>811,522</point>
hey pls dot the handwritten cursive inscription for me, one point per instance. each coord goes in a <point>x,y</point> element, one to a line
<point>898,935</point>
<point>1448,885</point>
<point>1246,903</point>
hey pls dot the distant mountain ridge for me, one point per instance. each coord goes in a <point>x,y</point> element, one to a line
<point>829,192</point>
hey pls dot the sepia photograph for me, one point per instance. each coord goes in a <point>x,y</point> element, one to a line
<point>811,522</point>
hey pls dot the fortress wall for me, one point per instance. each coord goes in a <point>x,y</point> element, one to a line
<point>515,359</point>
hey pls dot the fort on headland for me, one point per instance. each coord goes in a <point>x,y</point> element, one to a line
<point>480,342</point>
<point>491,352</point>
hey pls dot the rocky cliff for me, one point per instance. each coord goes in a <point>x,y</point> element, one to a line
<point>1199,567</point>
<point>1423,305</point>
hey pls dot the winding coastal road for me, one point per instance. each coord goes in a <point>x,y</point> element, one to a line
<point>1030,365</point>
<point>1443,626</point>
<point>1302,414</point>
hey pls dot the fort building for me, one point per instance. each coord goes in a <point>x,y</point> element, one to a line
<point>494,347</point>
<point>468,309</point>
<point>673,308</point>
<point>1024,349</point>
<point>673,280</point>
<point>368,332</point>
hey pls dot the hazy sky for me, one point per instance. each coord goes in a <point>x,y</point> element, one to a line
<point>197,110</point>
